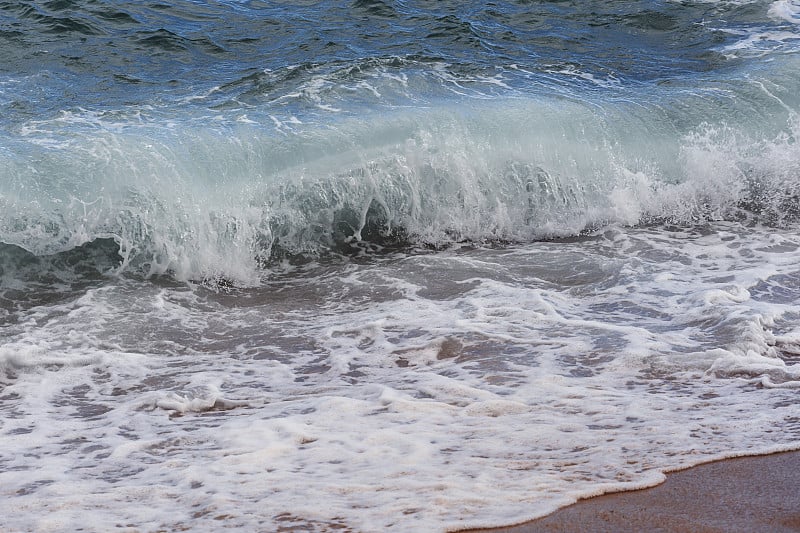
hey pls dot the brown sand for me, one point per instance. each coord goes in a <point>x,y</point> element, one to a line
<point>749,494</point>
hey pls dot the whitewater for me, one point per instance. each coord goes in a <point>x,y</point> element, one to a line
<point>412,266</point>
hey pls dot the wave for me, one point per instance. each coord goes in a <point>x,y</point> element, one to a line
<point>202,199</point>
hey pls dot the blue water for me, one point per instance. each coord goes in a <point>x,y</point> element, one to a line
<point>357,223</point>
<point>176,129</point>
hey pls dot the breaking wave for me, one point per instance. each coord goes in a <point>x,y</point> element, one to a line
<point>198,200</point>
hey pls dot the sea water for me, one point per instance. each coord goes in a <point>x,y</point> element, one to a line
<point>389,265</point>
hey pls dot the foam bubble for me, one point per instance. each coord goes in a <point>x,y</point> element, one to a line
<point>788,10</point>
<point>467,387</point>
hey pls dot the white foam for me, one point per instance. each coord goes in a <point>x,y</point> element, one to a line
<point>470,387</point>
<point>607,82</point>
<point>788,10</point>
<point>762,40</point>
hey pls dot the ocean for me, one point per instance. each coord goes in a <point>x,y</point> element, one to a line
<point>389,265</point>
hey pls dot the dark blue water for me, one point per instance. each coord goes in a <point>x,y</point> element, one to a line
<point>107,55</point>
<point>114,56</point>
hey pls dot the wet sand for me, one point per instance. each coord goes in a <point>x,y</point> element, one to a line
<point>746,494</point>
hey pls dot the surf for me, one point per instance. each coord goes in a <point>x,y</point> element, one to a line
<point>196,199</point>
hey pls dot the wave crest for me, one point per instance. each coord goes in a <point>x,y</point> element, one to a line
<point>201,203</point>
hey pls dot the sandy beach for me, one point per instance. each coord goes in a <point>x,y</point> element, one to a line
<point>746,494</point>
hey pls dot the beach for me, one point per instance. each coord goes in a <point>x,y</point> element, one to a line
<point>745,494</point>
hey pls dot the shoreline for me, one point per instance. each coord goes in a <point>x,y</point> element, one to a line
<point>741,494</point>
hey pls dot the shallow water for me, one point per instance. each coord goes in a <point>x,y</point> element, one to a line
<point>423,390</point>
